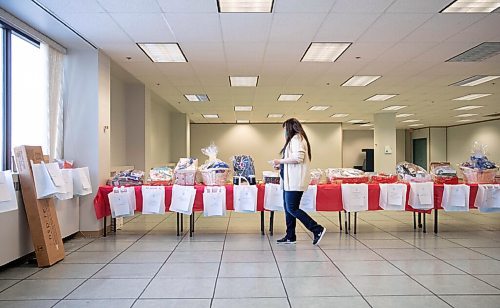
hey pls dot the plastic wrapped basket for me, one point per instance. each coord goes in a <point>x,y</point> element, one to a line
<point>215,176</point>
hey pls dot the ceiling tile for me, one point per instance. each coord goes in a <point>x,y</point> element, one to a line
<point>195,27</point>
<point>130,6</point>
<point>188,6</point>
<point>344,27</point>
<point>393,27</point>
<point>245,27</point>
<point>295,27</point>
<point>148,27</point>
<point>244,52</point>
<point>72,6</point>
<point>293,6</point>
<point>361,6</point>
<point>419,6</point>
<point>102,30</point>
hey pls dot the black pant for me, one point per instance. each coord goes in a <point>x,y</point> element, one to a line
<point>292,213</point>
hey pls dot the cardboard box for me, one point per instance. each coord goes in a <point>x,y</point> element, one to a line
<point>42,216</point>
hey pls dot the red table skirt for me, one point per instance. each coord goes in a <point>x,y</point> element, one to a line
<point>329,198</point>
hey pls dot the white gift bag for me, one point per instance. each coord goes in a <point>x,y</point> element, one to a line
<point>122,201</point>
<point>153,199</point>
<point>273,197</point>
<point>455,198</point>
<point>308,200</point>
<point>8,199</point>
<point>355,197</point>
<point>422,196</point>
<point>81,181</point>
<point>182,199</point>
<point>67,175</point>
<point>393,196</point>
<point>488,198</point>
<point>214,201</point>
<point>48,180</point>
<point>245,198</point>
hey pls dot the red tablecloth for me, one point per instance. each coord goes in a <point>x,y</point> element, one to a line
<point>329,198</point>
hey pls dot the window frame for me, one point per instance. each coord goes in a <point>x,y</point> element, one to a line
<point>6,137</point>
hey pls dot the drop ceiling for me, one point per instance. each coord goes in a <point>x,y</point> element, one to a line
<point>407,42</point>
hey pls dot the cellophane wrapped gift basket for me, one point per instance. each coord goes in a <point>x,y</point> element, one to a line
<point>478,169</point>
<point>214,171</point>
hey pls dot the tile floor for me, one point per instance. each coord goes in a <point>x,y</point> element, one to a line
<point>229,264</point>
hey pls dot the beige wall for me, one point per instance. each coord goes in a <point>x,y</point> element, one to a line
<point>400,145</point>
<point>461,138</point>
<point>118,126</point>
<point>264,141</point>
<point>353,142</point>
<point>437,144</point>
<point>159,126</point>
<point>385,136</point>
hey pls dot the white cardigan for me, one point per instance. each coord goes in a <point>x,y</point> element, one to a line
<point>296,165</point>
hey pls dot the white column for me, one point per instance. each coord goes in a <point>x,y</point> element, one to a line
<point>385,142</point>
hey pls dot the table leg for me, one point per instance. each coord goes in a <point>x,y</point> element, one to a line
<point>349,221</point>
<point>105,227</point>
<point>435,221</point>
<point>177,224</point>
<point>114,224</point>
<point>262,222</point>
<point>340,220</point>
<point>345,221</point>
<point>419,220</point>
<point>414,221</point>
<point>425,224</point>
<point>182,223</point>
<point>271,223</point>
<point>355,221</point>
<point>191,225</point>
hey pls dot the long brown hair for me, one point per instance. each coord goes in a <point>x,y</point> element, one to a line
<point>292,127</point>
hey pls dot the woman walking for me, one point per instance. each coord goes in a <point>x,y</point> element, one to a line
<point>295,177</point>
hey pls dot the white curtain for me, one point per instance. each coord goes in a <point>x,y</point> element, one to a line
<point>53,73</point>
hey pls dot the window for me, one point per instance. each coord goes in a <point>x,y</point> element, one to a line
<point>24,112</point>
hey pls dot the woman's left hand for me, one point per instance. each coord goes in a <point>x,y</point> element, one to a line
<point>276,162</point>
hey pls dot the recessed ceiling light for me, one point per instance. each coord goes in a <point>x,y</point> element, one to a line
<point>470,97</point>
<point>324,52</point>
<point>211,116</point>
<point>393,108</point>
<point>467,108</point>
<point>479,53</point>
<point>474,80</point>
<point>464,120</point>
<point>360,81</point>
<point>380,97</point>
<point>319,108</point>
<point>243,81</point>
<point>245,6</point>
<point>366,125</point>
<point>339,115</point>
<point>472,6</point>
<point>163,52</point>
<point>243,108</point>
<point>410,121</point>
<point>275,115</point>
<point>356,121</point>
<point>289,97</point>
<point>197,97</point>
<point>414,125</point>
<point>242,121</point>
<point>466,115</point>
<point>404,115</point>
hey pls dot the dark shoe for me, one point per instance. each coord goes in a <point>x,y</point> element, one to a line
<point>318,236</point>
<point>285,240</point>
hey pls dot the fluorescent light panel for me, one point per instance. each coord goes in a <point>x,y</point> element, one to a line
<point>472,6</point>
<point>366,125</point>
<point>319,108</point>
<point>289,97</point>
<point>163,52</point>
<point>250,81</point>
<point>479,53</point>
<point>410,121</point>
<point>380,97</point>
<point>470,97</point>
<point>243,108</point>
<point>245,6</point>
<point>464,108</point>
<point>339,115</point>
<point>242,121</point>
<point>211,116</point>
<point>197,97</point>
<point>475,80</point>
<point>324,52</point>
<point>275,115</point>
<point>464,120</point>
<point>404,115</point>
<point>393,108</point>
<point>466,115</point>
<point>414,125</point>
<point>360,81</point>
<point>356,121</point>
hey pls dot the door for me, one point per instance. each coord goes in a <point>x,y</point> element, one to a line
<point>420,152</point>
